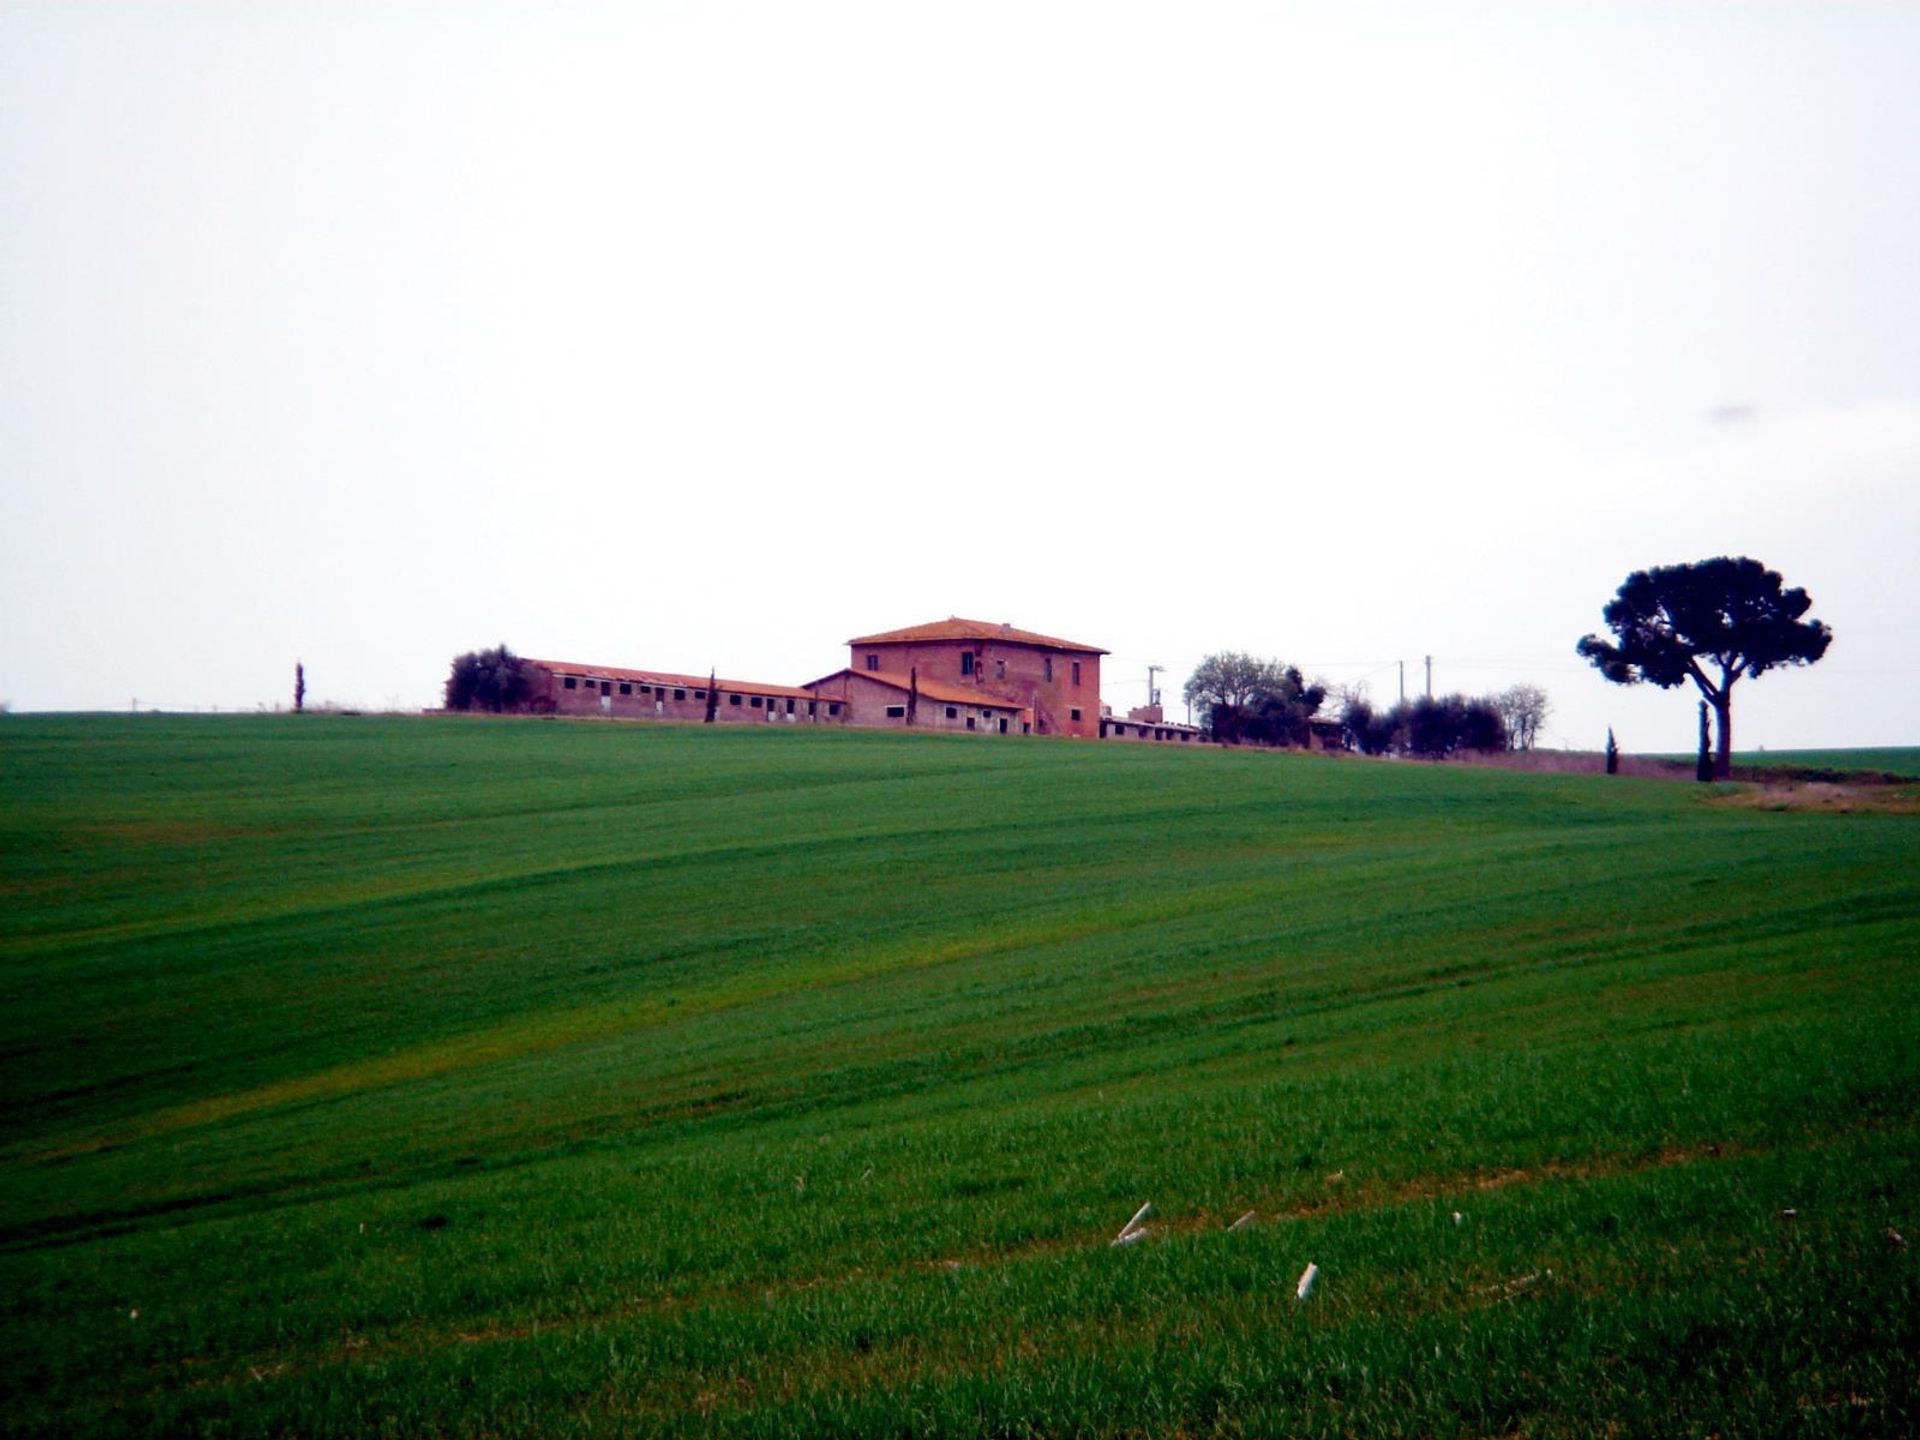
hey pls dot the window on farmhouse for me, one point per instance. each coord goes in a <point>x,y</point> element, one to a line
<point>572,684</point>
<point>896,712</point>
<point>1074,713</point>
<point>833,707</point>
<point>873,662</point>
<point>1076,672</point>
<point>698,694</point>
<point>952,711</point>
<point>735,700</point>
<point>789,705</point>
<point>1046,666</point>
<point>756,702</point>
<point>627,689</point>
<point>606,687</point>
<point>681,695</point>
<point>966,662</point>
<point>999,669</point>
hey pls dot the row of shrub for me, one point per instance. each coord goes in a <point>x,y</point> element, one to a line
<point>1430,727</point>
<point>1247,700</point>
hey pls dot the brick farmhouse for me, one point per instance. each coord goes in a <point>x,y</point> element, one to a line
<point>1056,682</point>
<point>951,674</point>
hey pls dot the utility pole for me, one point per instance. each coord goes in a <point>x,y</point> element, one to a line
<point>1403,682</point>
<point>1153,695</point>
<point>1429,677</point>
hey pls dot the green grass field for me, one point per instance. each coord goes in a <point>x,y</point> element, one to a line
<point>1883,761</point>
<point>447,1077</point>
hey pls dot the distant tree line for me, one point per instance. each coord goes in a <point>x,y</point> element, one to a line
<point>494,680</point>
<point>1429,727</point>
<point>1246,700</point>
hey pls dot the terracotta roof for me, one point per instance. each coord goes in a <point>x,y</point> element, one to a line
<point>666,677</point>
<point>954,628</point>
<point>938,691</point>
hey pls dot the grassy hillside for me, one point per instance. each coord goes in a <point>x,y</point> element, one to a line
<point>453,1077</point>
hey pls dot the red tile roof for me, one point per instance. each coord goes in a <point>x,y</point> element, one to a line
<point>938,691</point>
<point>954,628</point>
<point>665,677</point>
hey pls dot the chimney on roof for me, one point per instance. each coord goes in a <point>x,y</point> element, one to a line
<point>1006,627</point>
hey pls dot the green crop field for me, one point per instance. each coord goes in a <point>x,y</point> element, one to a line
<point>446,1077</point>
<point>1895,761</point>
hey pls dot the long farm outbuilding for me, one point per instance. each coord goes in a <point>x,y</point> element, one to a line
<point>565,688</point>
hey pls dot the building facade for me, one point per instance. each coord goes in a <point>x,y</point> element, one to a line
<point>1148,722</point>
<point>1112,728</point>
<point>1056,681</point>
<point>882,698</point>
<point>563,688</point>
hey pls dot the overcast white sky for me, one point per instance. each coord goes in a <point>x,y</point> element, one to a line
<point>691,335</point>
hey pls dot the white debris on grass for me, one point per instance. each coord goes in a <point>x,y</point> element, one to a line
<point>1131,1231</point>
<point>1307,1277</point>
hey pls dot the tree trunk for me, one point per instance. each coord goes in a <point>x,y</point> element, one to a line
<point>1703,763</point>
<point>1723,751</point>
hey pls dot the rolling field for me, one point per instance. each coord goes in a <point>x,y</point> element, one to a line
<point>448,1077</point>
